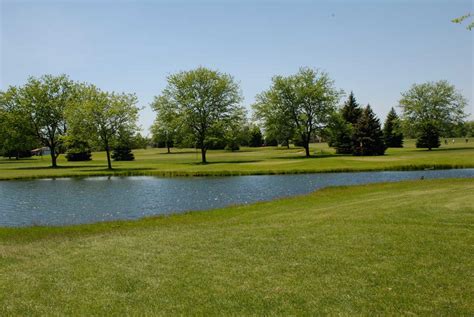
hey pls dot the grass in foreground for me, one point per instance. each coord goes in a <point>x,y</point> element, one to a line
<point>400,248</point>
<point>271,160</point>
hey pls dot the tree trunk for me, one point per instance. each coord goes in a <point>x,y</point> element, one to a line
<point>53,156</point>
<point>109,163</point>
<point>203,155</point>
<point>169,151</point>
<point>288,144</point>
<point>306,148</point>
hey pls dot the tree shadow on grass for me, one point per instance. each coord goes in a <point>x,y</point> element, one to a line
<point>443,149</point>
<point>314,156</point>
<point>222,162</point>
<point>55,168</point>
<point>13,161</point>
<point>175,153</point>
<point>115,170</point>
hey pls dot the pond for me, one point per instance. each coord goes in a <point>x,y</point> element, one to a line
<point>66,201</point>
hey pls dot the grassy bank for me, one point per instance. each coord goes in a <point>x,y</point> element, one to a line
<point>400,248</point>
<point>270,160</point>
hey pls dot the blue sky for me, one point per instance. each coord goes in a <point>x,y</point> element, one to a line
<point>375,48</point>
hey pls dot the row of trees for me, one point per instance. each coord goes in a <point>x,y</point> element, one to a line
<point>58,113</point>
<point>202,108</point>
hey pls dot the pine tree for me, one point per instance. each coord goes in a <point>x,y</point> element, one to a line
<point>256,137</point>
<point>428,136</point>
<point>340,135</point>
<point>123,153</point>
<point>392,130</point>
<point>351,110</point>
<point>368,135</point>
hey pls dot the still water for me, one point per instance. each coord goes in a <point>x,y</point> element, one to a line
<point>67,201</point>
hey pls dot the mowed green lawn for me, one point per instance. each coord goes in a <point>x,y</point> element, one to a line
<point>269,160</point>
<point>384,249</point>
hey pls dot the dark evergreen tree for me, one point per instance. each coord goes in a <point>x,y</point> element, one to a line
<point>428,136</point>
<point>351,110</point>
<point>123,153</point>
<point>256,137</point>
<point>368,135</point>
<point>392,130</point>
<point>340,134</point>
<point>77,150</point>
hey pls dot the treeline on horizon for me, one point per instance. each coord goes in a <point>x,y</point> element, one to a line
<point>201,108</point>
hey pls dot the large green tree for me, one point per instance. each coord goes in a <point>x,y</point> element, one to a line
<point>43,101</point>
<point>104,117</point>
<point>203,101</point>
<point>305,100</point>
<point>436,103</point>
<point>392,130</point>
